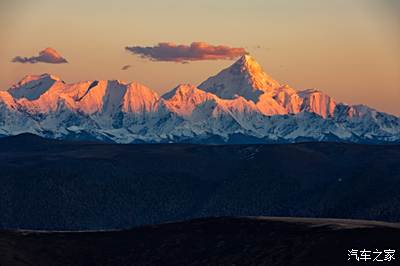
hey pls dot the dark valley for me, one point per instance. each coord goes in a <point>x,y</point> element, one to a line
<point>65,185</point>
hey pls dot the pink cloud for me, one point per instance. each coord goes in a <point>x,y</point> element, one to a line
<point>184,53</point>
<point>48,55</point>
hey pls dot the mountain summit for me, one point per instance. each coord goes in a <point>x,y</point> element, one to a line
<point>244,78</point>
<point>240,104</point>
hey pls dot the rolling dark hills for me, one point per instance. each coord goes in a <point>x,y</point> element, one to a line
<point>210,241</point>
<point>66,185</point>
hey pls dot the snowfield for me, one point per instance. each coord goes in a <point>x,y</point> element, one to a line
<point>241,104</point>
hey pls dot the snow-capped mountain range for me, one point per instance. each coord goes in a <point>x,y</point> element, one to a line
<point>241,104</point>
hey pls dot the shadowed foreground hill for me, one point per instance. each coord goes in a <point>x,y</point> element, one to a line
<point>49,184</point>
<point>212,241</point>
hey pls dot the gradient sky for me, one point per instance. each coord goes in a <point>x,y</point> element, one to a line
<point>348,49</point>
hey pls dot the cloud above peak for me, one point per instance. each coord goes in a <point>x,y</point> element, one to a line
<point>48,55</point>
<point>196,51</point>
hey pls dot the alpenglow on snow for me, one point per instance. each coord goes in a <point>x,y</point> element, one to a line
<point>241,104</point>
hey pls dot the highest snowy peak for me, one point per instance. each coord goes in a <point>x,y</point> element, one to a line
<point>244,78</point>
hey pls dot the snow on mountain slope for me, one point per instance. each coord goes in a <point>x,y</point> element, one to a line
<point>139,99</point>
<point>244,78</point>
<point>183,99</point>
<point>315,101</point>
<point>368,123</point>
<point>288,98</point>
<point>12,121</point>
<point>32,87</point>
<point>240,104</point>
<point>7,100</point>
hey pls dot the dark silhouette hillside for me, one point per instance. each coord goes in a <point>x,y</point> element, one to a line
<point>210,241</point>
<point>50,184</point>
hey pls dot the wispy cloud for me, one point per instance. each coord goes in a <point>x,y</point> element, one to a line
<point>196,51</point>
<point>125,67</point>
<point>48,55</point>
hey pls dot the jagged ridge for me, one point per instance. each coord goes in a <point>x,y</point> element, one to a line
<point>240,101</point>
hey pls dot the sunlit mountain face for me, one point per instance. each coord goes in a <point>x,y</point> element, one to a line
<point>240,103</point>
